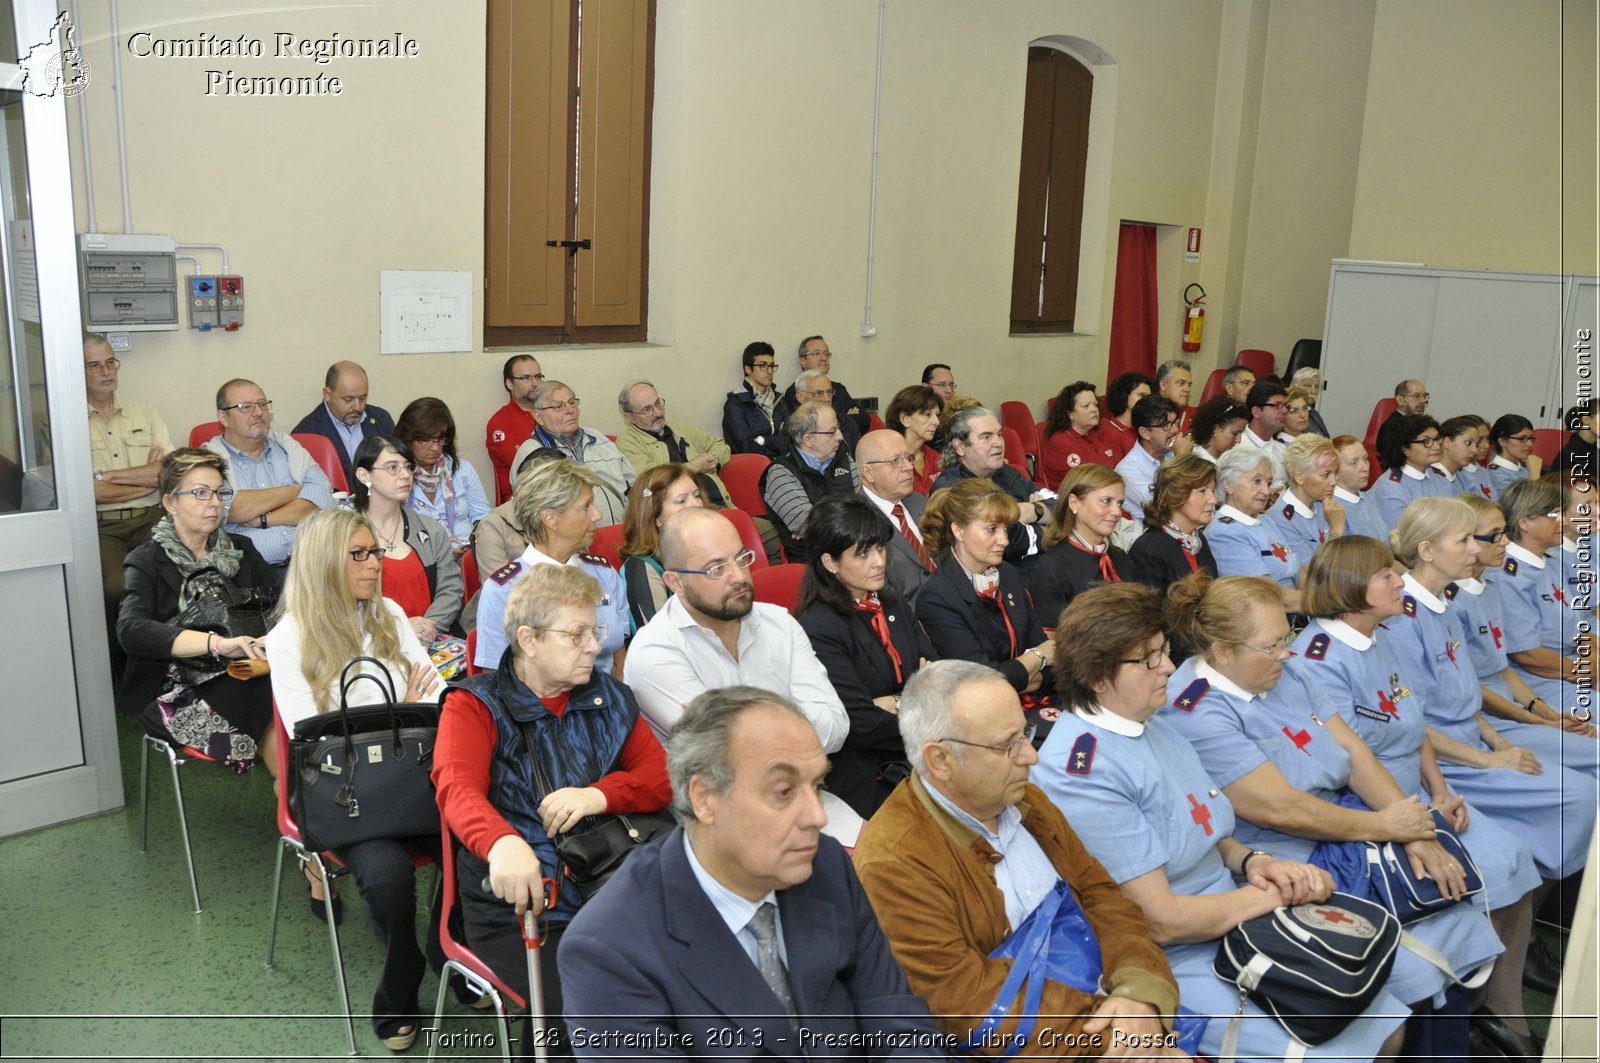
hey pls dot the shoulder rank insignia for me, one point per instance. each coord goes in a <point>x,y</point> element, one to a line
<point>1226,520</point>
<point>594,559</point>
<point>1081,759</point>
<point>1191,695</point>
<point>1395,475</point>
<point>506,573</point>
<point>1317,650</point>
<point>1288,512</point>
<point>1450,592</point>
<point>1409,605</point>
<point>1511,566</point>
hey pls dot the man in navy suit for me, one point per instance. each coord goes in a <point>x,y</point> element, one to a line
<point>744,932</point>
<point>344,416</point>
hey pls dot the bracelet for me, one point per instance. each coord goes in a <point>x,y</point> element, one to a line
<point>1043,660</point>
<point>1244,865</point>
<point>210,639</point>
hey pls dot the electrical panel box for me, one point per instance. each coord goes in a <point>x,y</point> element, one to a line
<point>130,282</point>
<point>203,303</point>
<point>231,310</point>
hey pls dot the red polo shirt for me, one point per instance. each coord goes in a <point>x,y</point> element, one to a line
<point>508,429</point>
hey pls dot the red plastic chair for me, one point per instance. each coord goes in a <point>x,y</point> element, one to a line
<point>464,961</point>
<point>472,652</point>
<point>321,450</point>
<point>874,422</point>
<point>748,535</point>
<point>203,431</point>
<point>1261,363</point>
<point>1374,469</point>
<point>608,544</point>
<point>778,584</point>
<point>742,475</point>
<point>469,574</point>
<point>1018,417</point>
<point>1213,386</point>
<point>1547,443</point>
<point>1380,414</point>
<point>1016,452</point>
<point>1038,465</point>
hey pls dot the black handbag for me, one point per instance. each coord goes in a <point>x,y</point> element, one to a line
<point>217,606</point>
<point>590,858</point>
<point>1313,967</point>
<point>356,774</point>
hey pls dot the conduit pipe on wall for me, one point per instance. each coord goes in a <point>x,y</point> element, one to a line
<point>83,130</point>
<point>868,327</point>
<point>122,127</point>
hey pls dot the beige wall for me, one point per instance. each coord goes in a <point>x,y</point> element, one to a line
<point>762,146</point>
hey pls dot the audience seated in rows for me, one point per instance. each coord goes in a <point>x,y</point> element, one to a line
<point>555,411</point>
<point>421,573</point>
<point>816,464</point>
<point>887,479</point>
<point>975,449</point>
<point>658,493</point>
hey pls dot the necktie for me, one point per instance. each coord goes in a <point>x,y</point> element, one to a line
<point>1108,571</point>
<point>764,926</point>
<point>880,627</point>
<point>899,512</point>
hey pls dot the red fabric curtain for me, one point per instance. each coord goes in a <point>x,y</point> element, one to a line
<point>1134,309</point>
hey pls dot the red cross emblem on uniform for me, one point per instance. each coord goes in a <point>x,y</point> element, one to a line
<point>1200,813</point>
<point>1301,739</point>
<point>1488,492</point>
<point>1560,596</point>
<point>1450,648</point>
<point>1073,461</point>
<point>1279,552</point>
<point>1496,632</point>
<point>1333,915</point>
<point>1386,703</point>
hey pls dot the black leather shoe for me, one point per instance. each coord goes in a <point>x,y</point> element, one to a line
<point>1508,1042</point>
<point>1541,971</point>
<point>320,909</point>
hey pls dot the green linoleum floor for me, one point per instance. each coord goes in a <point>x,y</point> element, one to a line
<point>102,956</point>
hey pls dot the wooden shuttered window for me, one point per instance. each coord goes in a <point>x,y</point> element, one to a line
<point>1055,149</point>
<point>567,161</point>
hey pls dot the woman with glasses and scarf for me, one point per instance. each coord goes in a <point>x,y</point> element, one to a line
<point>420,571</point>
<point>442,485</point>
<point>176,679</point>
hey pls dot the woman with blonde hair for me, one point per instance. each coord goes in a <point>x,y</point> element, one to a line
<point>1296,415</point>
<point>1361,513</point>
<point>1183,499</point>
<point>1078,551</point>
<point>1306,514</point>
<point>333,612</point>
<point>976,606</point>
<point>658,493</point>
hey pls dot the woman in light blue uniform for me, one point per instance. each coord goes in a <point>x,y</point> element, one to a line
<point>1549,807</point>
<point>1511,441</point>
<point>1146,809</point>
<point>1413,446</point>
<point>1361,513</point>
<point>1242,543</point>
<point>1457,468</point>
<point>1285,768</point>
<point>1514,710</point>
<point>1574,555</point>
<point>1346,666</point>
<point>1302,516</point>
<point>1541,632</point>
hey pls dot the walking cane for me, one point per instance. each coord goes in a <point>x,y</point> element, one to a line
<point>531,940</point>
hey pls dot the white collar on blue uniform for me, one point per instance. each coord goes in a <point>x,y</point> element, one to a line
<point>1347,635</point>
<point>1229,511</point>
<point>1346,496</point>
<point>1110,721</point>
<point>1415,474</point>
<point>1470,586</point>
<point>1204,453</point>
<point>1299,507</point>
<point>1446,473</point>
<point>1524,555</point>
<point>1204,669</point>
<point>1421,593</point>
<point>1499,462</point>
<point>1568,546</point>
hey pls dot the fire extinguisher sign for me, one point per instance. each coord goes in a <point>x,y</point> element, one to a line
<point>1192,247</point>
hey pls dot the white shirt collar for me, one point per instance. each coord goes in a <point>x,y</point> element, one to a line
<point>1204,453</point>
<point>1346,496</point>
<point>1499,462</point>
<point>1255,440</point>
<point>1422,594</point>
<point>1110,721</point>
<point>1469,586</point>
<point>1524,555</point>
<point>1415,474</point>
<point>1299,506</point>
<point>1347,634</point>
<point>1204,669</point>
<point>736,911</point>
<point>1229,511</point>
<point>1568,546</point>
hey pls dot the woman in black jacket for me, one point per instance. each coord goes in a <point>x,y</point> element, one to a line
<point>176,678</point>
<point>868,639</point>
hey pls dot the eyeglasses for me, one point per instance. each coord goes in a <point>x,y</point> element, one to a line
<point>659,406</point>
<point>1153,659</point>
<point>361,553</point>
<point>817,396</point>
<point>395,468</point>
<point>1277,649</point>
<point>741,561</point>
<point>1426,441</point>
<point>1492,537</point>
<point>571,404</point>
<point>834,431</point>
<point>1275,405</point>
<point>1171,422</point>
<point>903,459</point>
<point>537,378</point>
<point>95,367</point>
<point>1519,439</point>
<point>1298,409</point>
<point>427,441</point>
<point>206,494</point>
<point>1419,395</point>
<point>247,407</point>
<point>579,637</point>
<point>1009,750</point>
<point>763,365</point>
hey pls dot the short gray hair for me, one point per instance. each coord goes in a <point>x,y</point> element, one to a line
<point>544,391</point>
<point>1527,499</point>
<point>959,426</point>
<point>701,741</point>
<point>804,419</point>
<point>1170,366</point>
<point>553,485</point>
<point>809,374</point>
<point>544,589</point>
<point>928,702</point>
<point>1237,461</point>
<point>1303,374</point>
<point>622,396</point>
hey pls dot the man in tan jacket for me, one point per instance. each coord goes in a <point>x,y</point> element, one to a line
<point>962,852</point>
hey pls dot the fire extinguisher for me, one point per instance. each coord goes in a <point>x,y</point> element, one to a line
<point>1194,318</point>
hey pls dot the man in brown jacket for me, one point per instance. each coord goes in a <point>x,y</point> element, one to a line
<point>963,850</point>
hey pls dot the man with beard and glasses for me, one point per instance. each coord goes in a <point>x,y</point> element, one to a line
<point>713,633</point>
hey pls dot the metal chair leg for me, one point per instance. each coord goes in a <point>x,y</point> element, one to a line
<point>452,967</point>
<point>278,851</point>
<point>144,794</point>
<point>338,955</point>
<point>175,762</point>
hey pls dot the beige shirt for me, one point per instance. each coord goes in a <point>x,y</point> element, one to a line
<point>123,441</point>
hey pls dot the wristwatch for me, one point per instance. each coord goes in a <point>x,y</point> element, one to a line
<point>263,520</point>
<point>1244,865</point>
<point>99,476</point>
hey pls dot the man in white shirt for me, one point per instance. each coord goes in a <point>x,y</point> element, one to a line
<point>887,476</point>
<point>713,633</point>
<point>1267,405</point>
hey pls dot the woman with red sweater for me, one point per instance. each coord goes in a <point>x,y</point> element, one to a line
<point>529,751</point>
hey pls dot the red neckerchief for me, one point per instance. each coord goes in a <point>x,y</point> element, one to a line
<point>1108,571</point>
<point>992,593</point>
<point>880,626</point>
<point>1188,542</point>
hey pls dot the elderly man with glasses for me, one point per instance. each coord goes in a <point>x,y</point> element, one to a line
<point>816,465</point>
<point>713,633</point>
<point>651,440</point>
<point>1410,399</point>
<point>277,483</point>
<point>555,413</point>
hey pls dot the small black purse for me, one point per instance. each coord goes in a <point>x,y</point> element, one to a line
<point>588,860</point>
<point>217,606</point>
